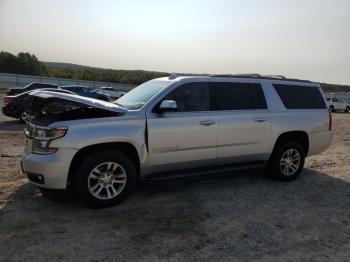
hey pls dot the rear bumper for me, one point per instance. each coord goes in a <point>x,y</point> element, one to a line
<point>319,142</point>
<point>48,171</point>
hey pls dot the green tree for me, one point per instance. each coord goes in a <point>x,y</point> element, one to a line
<point>24,63</point>
<point>8,63</point>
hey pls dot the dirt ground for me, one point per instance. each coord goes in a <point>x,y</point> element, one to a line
<point>230,217</point>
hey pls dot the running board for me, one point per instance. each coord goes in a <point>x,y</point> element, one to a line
<point>204,171</point>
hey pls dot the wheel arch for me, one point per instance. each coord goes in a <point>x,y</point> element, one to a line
<point>299,136</point>
<point>124,147</point>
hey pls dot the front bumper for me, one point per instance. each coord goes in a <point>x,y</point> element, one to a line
<point>53,168</point>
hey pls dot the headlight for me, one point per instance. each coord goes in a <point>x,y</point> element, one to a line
<point>42,137</point>
<point>49,133</point>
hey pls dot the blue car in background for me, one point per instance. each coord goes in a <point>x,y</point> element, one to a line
<point>86,91</point>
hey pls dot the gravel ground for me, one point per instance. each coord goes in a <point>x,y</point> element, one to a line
<point>231,217</point>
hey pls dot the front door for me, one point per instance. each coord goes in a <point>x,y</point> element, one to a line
<point>186,138</point>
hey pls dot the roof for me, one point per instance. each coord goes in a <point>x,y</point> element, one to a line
<point>245,76</point>
<point>67,86</point>
<point>41,83</point>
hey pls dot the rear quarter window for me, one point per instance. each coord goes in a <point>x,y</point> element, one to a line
<point>300,97</point>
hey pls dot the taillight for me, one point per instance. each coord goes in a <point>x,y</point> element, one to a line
<point>7,100</point>
<point>330,120</point>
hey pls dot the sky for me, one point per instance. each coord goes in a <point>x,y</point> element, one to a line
<point>307,39</point>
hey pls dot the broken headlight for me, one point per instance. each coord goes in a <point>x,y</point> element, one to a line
<point>42,137</point>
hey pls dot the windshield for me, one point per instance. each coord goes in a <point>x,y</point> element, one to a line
<point>140,95</point>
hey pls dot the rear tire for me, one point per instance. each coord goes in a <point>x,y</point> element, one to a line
<point>25,116</point>
<point>105,179</point>
<point>287,161</point>
<point>347,110</point>
<point>20,117</point>
<point>331,108</point>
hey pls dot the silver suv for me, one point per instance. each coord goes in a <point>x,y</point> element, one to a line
<point>174,126</point>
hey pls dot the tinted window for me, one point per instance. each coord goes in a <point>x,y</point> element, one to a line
<point>191,97</point>
<point>73,89</point>
<point>236,96</point>
<point>300,97</point>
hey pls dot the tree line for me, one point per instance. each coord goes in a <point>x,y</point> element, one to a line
<point>28,64</point>
<point>23,63</point>
<point>133,77</point>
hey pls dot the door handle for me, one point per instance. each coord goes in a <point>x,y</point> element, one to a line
<point>206,123</point>
<point>260,120</point>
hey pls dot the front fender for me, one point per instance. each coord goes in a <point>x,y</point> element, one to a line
<point>83,133</point>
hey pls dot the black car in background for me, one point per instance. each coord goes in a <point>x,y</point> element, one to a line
<point>15,106</point>
<point>32,86</point>
<point>86,91</point>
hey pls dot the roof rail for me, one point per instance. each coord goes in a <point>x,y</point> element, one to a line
<point>258,76</point>
<point>275,76</point>
<point>239,75</point>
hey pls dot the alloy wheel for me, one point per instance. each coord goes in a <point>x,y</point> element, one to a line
<point>290,162</point>
<point>26,116</point>
<point>107,180</point>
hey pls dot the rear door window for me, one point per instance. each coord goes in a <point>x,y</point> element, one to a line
<point>236,96</point>
<point>300,97</point>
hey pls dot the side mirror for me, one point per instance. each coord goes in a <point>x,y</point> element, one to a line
<point>167,106</point>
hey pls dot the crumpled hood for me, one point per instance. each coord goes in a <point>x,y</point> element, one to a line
<point>91,102</point>
<point>47,107</point>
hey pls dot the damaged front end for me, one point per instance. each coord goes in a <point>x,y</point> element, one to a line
<point>47,107</point>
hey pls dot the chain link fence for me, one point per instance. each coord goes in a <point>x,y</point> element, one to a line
<point>14,80</point>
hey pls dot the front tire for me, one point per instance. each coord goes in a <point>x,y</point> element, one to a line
<point>347,110</point>
<point>105,179</point>
<point>287,161</point>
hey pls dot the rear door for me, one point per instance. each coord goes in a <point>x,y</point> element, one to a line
<point>244,122</point>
